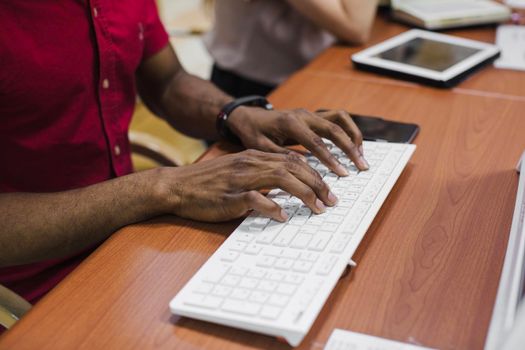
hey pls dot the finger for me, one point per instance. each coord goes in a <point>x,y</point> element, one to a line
<point>254,200</point>
<point>281,178</point>
<point>345,121</point>
<point>265,144</point>
<point>315,144</point>
<point>341,139</point>
<point>309,177</point>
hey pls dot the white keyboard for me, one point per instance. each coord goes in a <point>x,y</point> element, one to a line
<point>274,278</point>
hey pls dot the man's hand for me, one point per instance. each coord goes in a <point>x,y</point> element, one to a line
<point>270,130</point>
<point>226,188</point>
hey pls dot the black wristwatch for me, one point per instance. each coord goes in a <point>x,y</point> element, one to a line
<point>222,118</point>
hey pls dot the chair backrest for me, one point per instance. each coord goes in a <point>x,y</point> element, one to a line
<point>12,307</point>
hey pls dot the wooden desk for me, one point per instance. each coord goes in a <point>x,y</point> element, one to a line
<point>489,81</point>
<point>428,267</point>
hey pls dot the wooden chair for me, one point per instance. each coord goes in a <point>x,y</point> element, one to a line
<point>12,307</point>
<point>155,143</point>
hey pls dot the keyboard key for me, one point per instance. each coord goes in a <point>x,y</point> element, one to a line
<point>301,241</point>
<point>278,300</point>
<point>240,293</point>
<point>302,266</point>
<point>230,280</point>
<point>294,278</point>
<point>253,249</point>
<point>259,297</point>
<point>285,237</point>
<point>260,223</point>
<point>328,226</point>
<point>284,264</point>
<point>221,291</point>
<point>265,261</point>
<point>268,286</point>
<point>291,254</point>
<point>315,220</point>
<point>238,246</point>
<point>356,188</point>
<point>270,312</point>
<point>250,283</point>
<point>256,273</point>
<point>340,244</point>
<point>230,256</point>
<point>327,264</point>
<point>204,288</point>
<point>241,307</point>
<point>276,276</point>
<point>309,228</point>
<point>286,288</point>
<point>309,256</point>
<point>238,270</point>
<point>245,237</point>
<point>298,220</point>
<point>304,211</point>
<point>320,241</point>
<point>350,196</point>
<point>215,272</point>
<point>270,232</point>
<point>336,219</point>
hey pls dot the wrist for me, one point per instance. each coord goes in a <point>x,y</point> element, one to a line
<point>237,118</point>
<point>165,192</point>
<point>231,131</point>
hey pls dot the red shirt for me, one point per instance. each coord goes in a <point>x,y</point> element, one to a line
<point>67,93</point>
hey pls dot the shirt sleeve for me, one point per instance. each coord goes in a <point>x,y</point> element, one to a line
<point>155,36</point>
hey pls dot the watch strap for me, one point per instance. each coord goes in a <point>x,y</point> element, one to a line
<point>224,114</point>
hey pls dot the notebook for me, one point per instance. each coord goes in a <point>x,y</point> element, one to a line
<point>442,14</point>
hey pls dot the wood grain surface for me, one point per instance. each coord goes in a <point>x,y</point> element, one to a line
<point>427,271</point>
<point>488,81</point>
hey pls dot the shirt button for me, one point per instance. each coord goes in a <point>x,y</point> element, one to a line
<point>116,149</point>
<point>105,84</point>
<point>95,12</point>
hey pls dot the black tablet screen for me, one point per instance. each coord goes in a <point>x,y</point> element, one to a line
<point>429,54</point>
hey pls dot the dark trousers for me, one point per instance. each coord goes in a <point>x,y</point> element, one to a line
<point>236,85</point>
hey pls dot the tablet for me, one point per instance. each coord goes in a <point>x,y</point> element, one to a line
<point>426,57</point>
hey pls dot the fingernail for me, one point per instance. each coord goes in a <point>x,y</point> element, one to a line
<point>332,198</point>
<point>320,206</point>
<point>361,150</point>
<point>364,163</point>
<point>284,215</point>
<point>341,170</point>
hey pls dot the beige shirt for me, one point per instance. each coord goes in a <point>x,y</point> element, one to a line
<point>263,40</point>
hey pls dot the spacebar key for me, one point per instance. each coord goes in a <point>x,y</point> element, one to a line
<point>241,307</point>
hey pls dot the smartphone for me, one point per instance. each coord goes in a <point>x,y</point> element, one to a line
<point>381,130</point>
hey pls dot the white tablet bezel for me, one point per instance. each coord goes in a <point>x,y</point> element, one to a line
<point>366,56</point>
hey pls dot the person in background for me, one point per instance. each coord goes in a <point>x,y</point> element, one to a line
<point>257,44</point>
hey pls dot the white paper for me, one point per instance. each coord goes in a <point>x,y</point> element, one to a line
<point>516,3</point>
<point>511,40</point>
<point>346,340</point>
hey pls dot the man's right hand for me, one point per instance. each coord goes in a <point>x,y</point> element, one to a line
<point>227,187</point>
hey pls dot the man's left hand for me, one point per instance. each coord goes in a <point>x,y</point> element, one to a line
<point>271,130</point>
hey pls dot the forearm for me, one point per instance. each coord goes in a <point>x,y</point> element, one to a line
<point>348,20</point>
<point>188,103</point>
<point>36,227</point>
<point>191,105</point>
